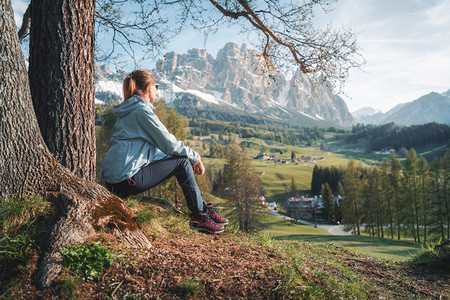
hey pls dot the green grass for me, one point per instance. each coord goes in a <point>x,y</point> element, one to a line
<point>278,227</point>
<point>432,257</point>
<point>375,247</point>
<point>190,287</point>
<point>277,178</point>
<point>315,272</point>
<point>17,212</point>
<point>87,260</point>
<point>432,151</point>
<point>69,286</point>
<point>281,229</point>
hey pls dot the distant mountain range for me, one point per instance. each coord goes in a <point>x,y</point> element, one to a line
<point>432,107</point>
<point>230,88</point>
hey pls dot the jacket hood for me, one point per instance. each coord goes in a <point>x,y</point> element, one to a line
<point>129,105</point>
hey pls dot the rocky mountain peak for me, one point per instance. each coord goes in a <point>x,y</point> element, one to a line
<point>233,80</point>
<point>433,107</point>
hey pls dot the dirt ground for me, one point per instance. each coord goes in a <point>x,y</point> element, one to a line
<point>228,267</point>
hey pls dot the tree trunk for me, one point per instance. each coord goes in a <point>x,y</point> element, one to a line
<point>62,80</point>
<point>390,217</point>
<point>27,167</point>
<point>357,218</point>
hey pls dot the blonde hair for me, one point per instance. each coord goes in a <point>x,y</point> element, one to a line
<point>137,82</point>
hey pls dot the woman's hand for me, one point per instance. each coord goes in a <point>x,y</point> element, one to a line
<point>199,168</point>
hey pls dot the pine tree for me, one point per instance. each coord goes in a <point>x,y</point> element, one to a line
<point>315,181</point>
<point>368,210</point>
<point>446,188</point>
<point>412,187</point>
<point>293,188</point>
<point>378,204</point>
<point>423,177</point>
<point>437,195</point>
<point>241,186</point>
<point>350,204</point>
<point>327,197</point>
<point>395,180</point>
<point>387,194</point>
<point>338,204</point>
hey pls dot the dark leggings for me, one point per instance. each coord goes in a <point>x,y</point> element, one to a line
<point>158,171</point>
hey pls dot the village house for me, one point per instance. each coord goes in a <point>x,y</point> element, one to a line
<point>305,208</point>
<point>384,151</point>
<point>263,156</point>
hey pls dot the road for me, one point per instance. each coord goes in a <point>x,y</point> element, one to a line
<point>332,229</point>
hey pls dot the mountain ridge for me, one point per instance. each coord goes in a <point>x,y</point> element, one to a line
<point>233,81</point>
<point>233,78</point>
<point>432,107</point>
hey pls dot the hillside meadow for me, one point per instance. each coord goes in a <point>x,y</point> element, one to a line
<point>276,177</point>
<point>183,263</point>
<point>282,229</point>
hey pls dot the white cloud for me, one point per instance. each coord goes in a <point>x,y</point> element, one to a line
<point>438,14</point>
<point>407,48</point>
<point>406,44</point>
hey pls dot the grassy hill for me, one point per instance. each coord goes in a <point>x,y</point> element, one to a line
<point>281,229</point>
<point>276,177</point>
<point>183,263</point>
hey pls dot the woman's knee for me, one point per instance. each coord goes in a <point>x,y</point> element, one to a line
<point>184,162</point>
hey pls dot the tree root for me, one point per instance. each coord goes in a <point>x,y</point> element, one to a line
<point>85,210</point>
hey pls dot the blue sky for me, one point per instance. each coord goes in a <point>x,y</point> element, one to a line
<point>406,44</point>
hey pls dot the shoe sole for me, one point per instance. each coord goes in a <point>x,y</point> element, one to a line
<point>207,230</point>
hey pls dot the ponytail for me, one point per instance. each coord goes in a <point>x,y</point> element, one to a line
<point>129,87</point>
<point>137,82</point>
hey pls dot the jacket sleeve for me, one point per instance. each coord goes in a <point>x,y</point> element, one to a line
<point>157,134</point>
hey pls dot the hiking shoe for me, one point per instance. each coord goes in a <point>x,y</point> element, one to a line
<point>202,222</point>
<point>212,213</point>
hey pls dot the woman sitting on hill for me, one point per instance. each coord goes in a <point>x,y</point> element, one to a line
<point>142,153</point>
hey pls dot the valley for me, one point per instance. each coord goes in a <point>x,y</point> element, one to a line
<point>276,176</point>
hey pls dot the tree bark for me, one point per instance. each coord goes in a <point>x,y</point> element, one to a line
<point>27,167</point>
<point>62,80</point>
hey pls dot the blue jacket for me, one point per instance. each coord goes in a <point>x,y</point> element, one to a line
<point>139,138</point>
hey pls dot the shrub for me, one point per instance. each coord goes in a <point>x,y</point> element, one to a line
<point>88,260</point>
<point>431,257</point>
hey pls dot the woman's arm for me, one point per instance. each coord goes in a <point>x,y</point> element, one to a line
<point>154,131</point>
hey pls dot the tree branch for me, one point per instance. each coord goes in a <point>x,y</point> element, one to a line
<point>226,12</point>
<point>25,24</point>
<point>266,29</point>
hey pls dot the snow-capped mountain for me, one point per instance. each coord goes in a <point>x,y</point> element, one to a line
<point>368,115</point>
<point>365,111</point>
<point>108,84</point>
<point>231,85</point>
<point>432,107</point>
<point>233,80</point>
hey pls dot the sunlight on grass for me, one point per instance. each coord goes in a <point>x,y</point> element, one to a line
<point>281,229</point>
